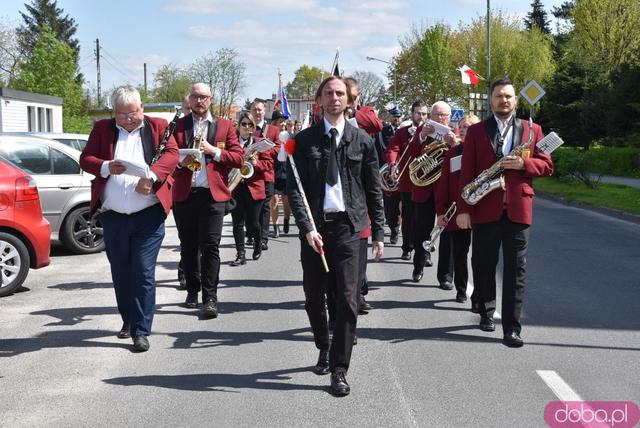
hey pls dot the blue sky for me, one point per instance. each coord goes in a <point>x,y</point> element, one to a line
<point>267,34</point>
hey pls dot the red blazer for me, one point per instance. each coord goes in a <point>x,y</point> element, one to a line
<point>217,172</point>
<point>420,194</point>
<point>100,148</point>
<point>480,155</point>
<point>273,134</point>
<point>255,184</point>
<point>449,186</point>
<point>368,120</point>
<point>394,150</point>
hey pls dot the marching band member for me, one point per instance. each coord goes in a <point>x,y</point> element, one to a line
<point>249,195</point>
<point>391,199</point>
<point>502,217</point>
<point>449,192</point>
<point>201,195</point>
<point>424,209</point>
<point>263,130</point>
<point>397,146</point>
<point>280,170</point>
<point>133,209</point>
<point>339,204</point>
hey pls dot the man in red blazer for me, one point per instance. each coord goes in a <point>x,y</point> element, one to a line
<point>399,166</point>
<point>132,208</point>
<point>272,133</point>
<point>501,217</point>
<point>201,195</point>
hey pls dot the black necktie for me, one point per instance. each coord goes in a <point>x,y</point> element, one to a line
<point>332,170</point>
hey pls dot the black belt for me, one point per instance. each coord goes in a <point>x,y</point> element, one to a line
<point>199,189</point>
<point>333,216</point>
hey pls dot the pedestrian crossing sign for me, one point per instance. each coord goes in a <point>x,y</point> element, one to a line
<point>456,115</point>
<point>532,92</point>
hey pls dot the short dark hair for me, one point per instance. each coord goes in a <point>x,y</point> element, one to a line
<point>503,81</point>
<point>350,98</point>
<point>418,104</point>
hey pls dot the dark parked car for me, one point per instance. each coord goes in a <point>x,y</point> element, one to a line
<point>24,232</point>
<point>65,190</point>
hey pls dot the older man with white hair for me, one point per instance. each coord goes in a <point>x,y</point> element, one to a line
<point>132,208</point>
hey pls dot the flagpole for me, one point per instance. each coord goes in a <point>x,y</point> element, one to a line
<point>488,57</point>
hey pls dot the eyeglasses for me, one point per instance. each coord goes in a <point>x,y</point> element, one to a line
<point>130,115</point>
<point>246,124</point>
<point>199,97</point>
<point>441,114</point>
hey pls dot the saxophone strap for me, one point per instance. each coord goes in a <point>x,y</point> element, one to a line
<point>501,138</point>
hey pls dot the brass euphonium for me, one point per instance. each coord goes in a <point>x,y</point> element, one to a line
<point>390,178</point>
<point>195,164</point>
<point>426,168</point>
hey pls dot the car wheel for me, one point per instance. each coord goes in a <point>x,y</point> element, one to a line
<point>14,263</point>
<point>82,234</point>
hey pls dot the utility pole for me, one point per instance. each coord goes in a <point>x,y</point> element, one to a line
<point>98,68</point>
<point>488,58</point>
<point>145,79</point>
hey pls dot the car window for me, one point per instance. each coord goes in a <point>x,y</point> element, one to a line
<point>64,164</point>
<point>73,142</point>
<point>32,158</point>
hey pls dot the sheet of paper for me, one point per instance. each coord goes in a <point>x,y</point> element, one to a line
<point>456,163</point>
<point>135,169</point>
<point>185,152</point>
<point>440,129</point>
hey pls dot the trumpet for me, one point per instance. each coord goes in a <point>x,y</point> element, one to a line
<point>195,164</point>
<point>430,244</point>
<point>389,176</point>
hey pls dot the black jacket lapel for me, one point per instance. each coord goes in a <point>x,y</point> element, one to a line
<point>146,135</point>
<point>518,130</point>
<point>188,131</point>
<point>492,131</point>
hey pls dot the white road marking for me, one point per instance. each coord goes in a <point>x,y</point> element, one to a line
<point>559,387</point>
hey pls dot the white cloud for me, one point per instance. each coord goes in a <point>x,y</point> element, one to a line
<point>211,7</point>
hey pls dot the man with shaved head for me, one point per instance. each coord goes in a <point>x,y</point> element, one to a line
<point>201,194</point>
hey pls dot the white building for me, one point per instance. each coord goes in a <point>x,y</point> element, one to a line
<point>298,108</point>
<point>22,111</point>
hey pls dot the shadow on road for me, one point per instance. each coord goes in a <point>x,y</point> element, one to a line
<point>220,382</point>
<point>60,339</point>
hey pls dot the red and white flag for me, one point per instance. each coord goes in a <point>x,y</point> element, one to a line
<point>469,77</point>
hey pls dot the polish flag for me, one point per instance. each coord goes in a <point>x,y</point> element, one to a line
<point>469,77</point>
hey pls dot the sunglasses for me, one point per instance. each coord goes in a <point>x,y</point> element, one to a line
<point>246,124</point>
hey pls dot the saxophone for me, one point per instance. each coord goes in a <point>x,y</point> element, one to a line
<point>246,171</point>
<point>492,178</point>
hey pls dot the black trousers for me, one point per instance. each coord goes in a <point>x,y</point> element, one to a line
<point>407,222</point>
<point>424,217</point>
<point>342,250</point>
<point>392,209</point>
<point>460,241</point>
<point>265,219</point>
<point>487,239</point>
<point>445,257</point>
<point>363,284</point>
<point>247,211</point>
<point>200,227</point>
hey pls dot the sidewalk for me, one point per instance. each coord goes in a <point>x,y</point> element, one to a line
<point>626,181</point>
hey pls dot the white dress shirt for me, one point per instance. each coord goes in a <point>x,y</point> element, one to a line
<point>508,139</point>
<point>199,178</point>
<point>119,193</point>
<point>333,197</point>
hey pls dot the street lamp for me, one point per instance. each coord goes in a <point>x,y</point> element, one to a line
<point>395,83</point>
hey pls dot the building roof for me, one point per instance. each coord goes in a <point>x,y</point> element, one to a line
<point>14,94</point>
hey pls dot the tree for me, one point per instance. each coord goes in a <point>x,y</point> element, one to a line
<point>46,12</point>
<point>205,69</point>
<point>230,81</point>
<point>10,56</point>
<point>370,87</point>
<point>171,84</point>
<point>537,18</point>
<point>305,82</point>
<point>52,70</point>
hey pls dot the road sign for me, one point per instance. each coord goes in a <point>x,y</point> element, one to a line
<point>532,92</point>
<point>456,115</point>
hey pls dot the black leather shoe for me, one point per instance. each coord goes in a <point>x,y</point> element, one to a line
<point>322,367</point>
<point>406,255</point>
<point>364,306</point>
<point>339,385</point>
<point>427,261</point>
<point>141,343</point>
<point>417,275</point>
<point>240,260</point>
<point>513,340</point>
<point>257,252</point>
<point>192,300</point>
<point>210,309</point>
<point>265,247</point>
<point>446,285</point>
<point>461,297</point>
<point>487,324</point>
<point>285,225</point>
<point>124,332</point>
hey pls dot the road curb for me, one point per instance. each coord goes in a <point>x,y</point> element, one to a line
<point>602,210</point>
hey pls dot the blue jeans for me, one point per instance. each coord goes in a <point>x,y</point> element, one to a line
<point>132,245</point>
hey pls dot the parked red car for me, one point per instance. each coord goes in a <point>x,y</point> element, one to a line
<point>25,236</point>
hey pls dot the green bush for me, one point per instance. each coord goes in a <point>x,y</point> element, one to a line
<point>576,162</point>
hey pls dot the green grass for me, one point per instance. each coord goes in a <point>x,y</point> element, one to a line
<point>623,198</point>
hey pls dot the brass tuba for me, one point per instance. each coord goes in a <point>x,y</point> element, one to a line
<point>389,179</point>
<point>426,168</point>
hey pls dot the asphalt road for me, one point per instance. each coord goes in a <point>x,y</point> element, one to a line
<point>420,360</point>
